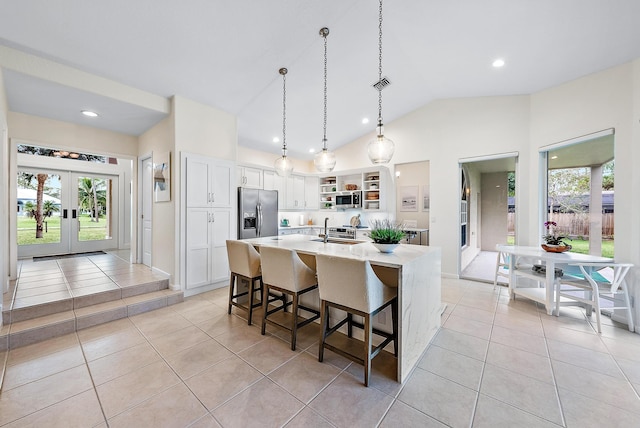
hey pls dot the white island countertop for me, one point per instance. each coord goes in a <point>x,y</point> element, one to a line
<point>414,269</point>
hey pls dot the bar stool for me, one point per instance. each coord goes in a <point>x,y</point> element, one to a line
<point>351,285</point>
<point>244,263</point>
<point>285,272</point>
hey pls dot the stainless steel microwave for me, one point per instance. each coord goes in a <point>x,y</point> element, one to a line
<point>349,199</point>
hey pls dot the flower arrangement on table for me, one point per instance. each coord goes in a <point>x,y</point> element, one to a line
<point>553,240</point>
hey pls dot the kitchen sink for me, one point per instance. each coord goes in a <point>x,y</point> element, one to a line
<point>338,241</point>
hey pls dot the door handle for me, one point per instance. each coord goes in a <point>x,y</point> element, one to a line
<point>64,213</point>
<point>74,214</point>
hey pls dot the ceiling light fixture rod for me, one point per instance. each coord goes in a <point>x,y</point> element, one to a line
<point>283,71</point>
<point>324,32</point>
<point>380,149</point>
<point>283,165</point>
<point>325,160</point>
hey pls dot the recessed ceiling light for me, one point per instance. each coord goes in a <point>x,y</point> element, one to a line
<point>498,63</point>
<point>365,120</point>
<point>312,150</point>
<point>89,113</point>
<point>276,139</point>
<point>554,157</point>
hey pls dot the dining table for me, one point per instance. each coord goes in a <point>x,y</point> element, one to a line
<point>550,260</point>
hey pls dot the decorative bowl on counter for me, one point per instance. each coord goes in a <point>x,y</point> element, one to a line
<point>385,248</point>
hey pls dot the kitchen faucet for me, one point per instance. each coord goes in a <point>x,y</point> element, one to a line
<point>326,232</point>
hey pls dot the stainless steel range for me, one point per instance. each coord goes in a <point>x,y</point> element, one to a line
<point>342,232</point>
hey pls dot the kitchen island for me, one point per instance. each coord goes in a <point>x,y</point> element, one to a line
<point>414,269</point>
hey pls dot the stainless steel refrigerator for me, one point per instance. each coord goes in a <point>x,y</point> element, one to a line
<point>257,212</point>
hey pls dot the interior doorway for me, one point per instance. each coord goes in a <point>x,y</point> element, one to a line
<point>487,212</point>
<point>145,169</point>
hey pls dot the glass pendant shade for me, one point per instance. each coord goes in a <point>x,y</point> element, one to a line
<point>380,149</point>
<point>283,166</point>
<point>325,161</point>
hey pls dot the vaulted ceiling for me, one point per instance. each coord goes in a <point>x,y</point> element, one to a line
<point>227,54</point>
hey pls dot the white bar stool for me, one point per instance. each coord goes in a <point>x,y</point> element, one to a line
<point>244,263</point>
<point>351,285</point>
<point>284,271</point>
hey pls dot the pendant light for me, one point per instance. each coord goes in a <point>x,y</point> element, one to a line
<point>283,165</point>
<point>380,149</point>
<point>325,161</point>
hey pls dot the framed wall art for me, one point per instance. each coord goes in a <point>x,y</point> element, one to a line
<point>162,176</point>
<point>409,198</point>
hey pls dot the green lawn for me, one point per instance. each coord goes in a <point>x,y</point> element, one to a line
<point>89,231</point>
<point>581,246</point>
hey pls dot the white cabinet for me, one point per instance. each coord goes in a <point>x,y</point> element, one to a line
<point>272,181</point>
<point>294,192</point>
<point>208,182</point>
<point>209,220</point>
<point>301,192</point>
<point>249,177</point>
<point>311,199</point>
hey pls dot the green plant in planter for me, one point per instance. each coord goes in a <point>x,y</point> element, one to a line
<point>386,232</point>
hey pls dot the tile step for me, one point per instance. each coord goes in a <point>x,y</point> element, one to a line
<point>16,315</point>
<point>45,327</point>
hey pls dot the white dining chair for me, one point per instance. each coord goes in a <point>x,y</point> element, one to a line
<point>502,268</point>
<point>588,287</point>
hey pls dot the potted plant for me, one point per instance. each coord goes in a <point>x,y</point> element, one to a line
<point>386,235</point>
<point>554,242</point>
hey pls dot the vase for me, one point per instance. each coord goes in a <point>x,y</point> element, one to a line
<point>385,248</point>
<point>550,248</point>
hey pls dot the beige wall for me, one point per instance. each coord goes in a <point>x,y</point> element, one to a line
<point>160,139</point>
<point>59,134</point>
<point>494,210</point>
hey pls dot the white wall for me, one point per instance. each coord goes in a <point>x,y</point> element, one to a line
<point>4,194</point>
<point>203,130</point>
<point>609,99</point>
<point>264,159</point>
<point>447,130</point>
<point>443,132</point>
<point>412,174</point>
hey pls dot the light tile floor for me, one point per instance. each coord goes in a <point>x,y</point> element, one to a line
<point>494,362</point>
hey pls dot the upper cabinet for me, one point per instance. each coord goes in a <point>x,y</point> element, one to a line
<point>249,177</point>
<point>295,192</point>
<point>311,199</point>
<point>273,181</point>
<point>209,182</point>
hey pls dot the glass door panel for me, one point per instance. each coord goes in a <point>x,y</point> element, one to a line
<point>42,210</point>
<point>95,218</point>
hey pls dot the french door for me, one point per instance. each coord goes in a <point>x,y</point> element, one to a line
<point>78,212</point>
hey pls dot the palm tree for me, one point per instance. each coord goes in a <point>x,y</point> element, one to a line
<point>91,194</point>
<point>49,208</point>
<point>39,201</point>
